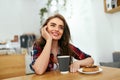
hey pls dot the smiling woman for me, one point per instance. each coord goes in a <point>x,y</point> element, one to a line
<point>55,40</point>
<point>55,28</point>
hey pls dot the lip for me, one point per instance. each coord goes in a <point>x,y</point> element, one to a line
<point>55,33</point>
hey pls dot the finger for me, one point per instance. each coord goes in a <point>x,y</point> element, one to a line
<point>45,27</point>
<point>71,68</point>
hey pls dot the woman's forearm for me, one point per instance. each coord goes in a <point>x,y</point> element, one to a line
<point>42,61</point>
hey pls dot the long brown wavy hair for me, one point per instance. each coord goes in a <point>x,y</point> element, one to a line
<point>65,39</point>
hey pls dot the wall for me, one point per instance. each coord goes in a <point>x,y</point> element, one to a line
<point>98,31</point>
<point>107,30</point>
<point>18,17</point>
<point>116,29</point>
<point>93,31</point>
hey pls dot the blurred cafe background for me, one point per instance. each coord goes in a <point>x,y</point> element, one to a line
<point>93,29</point>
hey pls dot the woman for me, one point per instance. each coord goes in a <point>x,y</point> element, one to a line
<point>54,41</point>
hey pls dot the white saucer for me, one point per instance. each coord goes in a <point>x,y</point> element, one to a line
<point>81,71</point>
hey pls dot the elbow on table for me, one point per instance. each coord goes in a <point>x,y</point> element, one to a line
<point>38,70</point>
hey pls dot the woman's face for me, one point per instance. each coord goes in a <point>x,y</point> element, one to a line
<point>55,28</point>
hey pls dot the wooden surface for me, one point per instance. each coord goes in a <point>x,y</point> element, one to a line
<point>107,74</point>
<point>12,65</point>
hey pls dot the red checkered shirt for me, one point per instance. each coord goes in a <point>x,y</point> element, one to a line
<point>37,51</point>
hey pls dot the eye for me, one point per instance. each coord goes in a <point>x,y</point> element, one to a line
<point>52,24</point>
<point>61,27</point>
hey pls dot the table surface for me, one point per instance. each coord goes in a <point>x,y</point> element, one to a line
<point>108,73</point>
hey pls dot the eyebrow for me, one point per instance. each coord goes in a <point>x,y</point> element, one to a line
<point>55,24</point>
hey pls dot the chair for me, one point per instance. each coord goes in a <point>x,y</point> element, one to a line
<point>116,56</point>
<point>115,63</point>
<point>28,61</point>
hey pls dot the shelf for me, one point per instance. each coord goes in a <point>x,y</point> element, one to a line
<point>112,10</point>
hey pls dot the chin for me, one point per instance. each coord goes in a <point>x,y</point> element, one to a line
<point>56,38</point>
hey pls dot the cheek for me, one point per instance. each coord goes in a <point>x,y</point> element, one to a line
<point>48,29</point>
<point>62,32</point>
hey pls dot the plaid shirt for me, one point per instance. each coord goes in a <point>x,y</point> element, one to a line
<point>37,51</point>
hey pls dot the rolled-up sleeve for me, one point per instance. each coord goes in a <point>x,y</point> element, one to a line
<point>79,54</point>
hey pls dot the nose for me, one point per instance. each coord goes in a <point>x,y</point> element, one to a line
<point>57,28</point>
